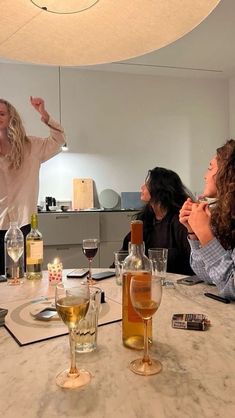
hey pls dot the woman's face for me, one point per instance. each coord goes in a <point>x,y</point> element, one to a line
<point>4,116</point>
<point>210,177</point>
<point>144,193</point>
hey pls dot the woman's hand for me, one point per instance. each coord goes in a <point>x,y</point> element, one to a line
<point>199,221</point>
<point>184,214</point>
<point>39,105</point>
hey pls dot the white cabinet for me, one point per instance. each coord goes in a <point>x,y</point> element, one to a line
<point>113,228</point>
<point>68,228</point>
<point>63,234</point>
<point>114,225</point>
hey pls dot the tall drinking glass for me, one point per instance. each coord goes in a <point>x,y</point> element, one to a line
<point>158,257</point>
<point>145,297</point>
<point>119,257</point>
<point>72,304</point>
<point>90,248</point>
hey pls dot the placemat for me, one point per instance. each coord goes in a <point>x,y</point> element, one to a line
<point>22,325</point>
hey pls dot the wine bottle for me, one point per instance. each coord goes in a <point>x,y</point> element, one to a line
<point>136,263</point>
<point>34,251</point>
<point>14,254</point>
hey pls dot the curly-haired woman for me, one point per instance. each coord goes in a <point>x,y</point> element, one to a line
<point>163,194</point>
<point>211,231</point>
<point>20,160</point>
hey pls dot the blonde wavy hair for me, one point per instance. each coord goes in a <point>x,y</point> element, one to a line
<point>17,136</point>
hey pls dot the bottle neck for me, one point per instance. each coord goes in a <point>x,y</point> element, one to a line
<point>137,260</point>
<point>34,221</point>
<point>137,249</point>
<point>13,224</point>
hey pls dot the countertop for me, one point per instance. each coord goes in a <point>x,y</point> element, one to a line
<point>88,210</point>
<point>197,379</point>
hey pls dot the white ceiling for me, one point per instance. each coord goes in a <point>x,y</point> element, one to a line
<point>207,51</point>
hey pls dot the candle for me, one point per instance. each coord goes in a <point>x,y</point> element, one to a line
<point>55,270</point>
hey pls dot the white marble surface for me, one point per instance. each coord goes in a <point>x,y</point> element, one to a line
<point>197,380</point>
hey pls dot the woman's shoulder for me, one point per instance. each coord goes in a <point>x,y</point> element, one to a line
<point>174,221</point>
<point>34,142</point>
<point>32,145</point>
<point>173,217</point>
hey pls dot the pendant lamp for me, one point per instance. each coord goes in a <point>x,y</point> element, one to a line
<point>89,32</point>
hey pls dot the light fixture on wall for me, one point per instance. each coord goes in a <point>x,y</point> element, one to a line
<point>65,146</point>
<point>88,32</point>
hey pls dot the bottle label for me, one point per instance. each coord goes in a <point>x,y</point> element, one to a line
<point>34,252</point>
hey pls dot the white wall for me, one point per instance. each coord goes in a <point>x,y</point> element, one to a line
<point>19,82</point>
<point>120,125</point>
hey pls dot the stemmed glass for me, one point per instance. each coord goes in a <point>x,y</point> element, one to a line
<point>72,304</point>
<point>90,248</point>
<point>145,297</point>
<point>15,250</point>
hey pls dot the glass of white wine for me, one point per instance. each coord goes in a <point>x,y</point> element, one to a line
<point>72,304</point>
<point>146,297</point>
<point>15,250</point>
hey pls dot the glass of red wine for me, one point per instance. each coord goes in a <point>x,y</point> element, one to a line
<point>90,248</point>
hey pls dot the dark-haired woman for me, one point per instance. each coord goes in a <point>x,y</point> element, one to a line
<point>212,230</point>
<point>164,193</point>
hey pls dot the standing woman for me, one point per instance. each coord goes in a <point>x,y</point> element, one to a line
<point>211,231</point>
<point>20,160</point>
<point>164,193</point>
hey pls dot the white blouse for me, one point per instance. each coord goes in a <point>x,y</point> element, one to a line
<point>19,188</point>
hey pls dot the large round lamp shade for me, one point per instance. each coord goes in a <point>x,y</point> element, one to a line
<point>88,32</point>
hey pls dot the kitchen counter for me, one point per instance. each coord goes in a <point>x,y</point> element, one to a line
<point>88,210</point>
<point>197,380</point>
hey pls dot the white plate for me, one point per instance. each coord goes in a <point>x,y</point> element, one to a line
<point>109,199</point>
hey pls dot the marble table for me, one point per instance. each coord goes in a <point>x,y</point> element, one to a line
<point>197,380</point>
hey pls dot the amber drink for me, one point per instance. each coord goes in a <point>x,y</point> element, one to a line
<point>135,264</point>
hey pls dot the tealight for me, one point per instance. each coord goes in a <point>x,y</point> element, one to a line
<point>55,271</point>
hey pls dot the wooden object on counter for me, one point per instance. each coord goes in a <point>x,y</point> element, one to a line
<point>83,194</point>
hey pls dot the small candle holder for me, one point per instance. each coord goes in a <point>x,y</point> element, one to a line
<point>55,271</point>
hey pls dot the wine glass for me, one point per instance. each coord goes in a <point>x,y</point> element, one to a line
<point>145,297</point>
<point>90,248</point>
<point>15,250</point>
<point>72,304</point>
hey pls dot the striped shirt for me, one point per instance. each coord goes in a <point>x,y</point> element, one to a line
<point>214,264</point>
